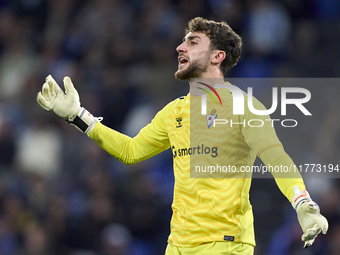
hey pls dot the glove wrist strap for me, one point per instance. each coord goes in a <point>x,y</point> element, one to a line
<point>300,198</point>
<point>84,121</point>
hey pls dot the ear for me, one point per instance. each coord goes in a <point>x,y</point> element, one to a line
<point>218,56</point>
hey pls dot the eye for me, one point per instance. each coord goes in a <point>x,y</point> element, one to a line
<point>193,43</point>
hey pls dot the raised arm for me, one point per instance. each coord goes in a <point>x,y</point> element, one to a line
<point>126,149</point>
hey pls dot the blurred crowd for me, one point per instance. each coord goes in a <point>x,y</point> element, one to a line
<point>60,194</point>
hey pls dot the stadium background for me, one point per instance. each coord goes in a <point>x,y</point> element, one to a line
<point>60,194</point>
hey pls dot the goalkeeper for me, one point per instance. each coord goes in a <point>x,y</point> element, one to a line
<point>210,215</point>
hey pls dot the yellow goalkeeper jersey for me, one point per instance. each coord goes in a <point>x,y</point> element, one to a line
<point>206,206</point>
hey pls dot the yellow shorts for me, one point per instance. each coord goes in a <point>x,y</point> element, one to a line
<point>213,248</point>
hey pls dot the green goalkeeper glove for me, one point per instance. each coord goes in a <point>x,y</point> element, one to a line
<point>67,106</point>
<point>310,219</point>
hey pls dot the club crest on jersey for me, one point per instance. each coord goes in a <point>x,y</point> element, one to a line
<point>179,122</point>
<point>211,117</point>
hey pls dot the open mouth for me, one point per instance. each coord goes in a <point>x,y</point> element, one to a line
<point>182,61</point>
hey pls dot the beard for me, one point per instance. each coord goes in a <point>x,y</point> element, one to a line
<point>194,70</point>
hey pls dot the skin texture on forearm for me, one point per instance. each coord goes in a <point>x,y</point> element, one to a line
<point>277,157</point>
<point>122,147</point>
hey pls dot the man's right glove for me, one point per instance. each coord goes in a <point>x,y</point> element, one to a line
<point>67,106</point>
<point>310,219</point>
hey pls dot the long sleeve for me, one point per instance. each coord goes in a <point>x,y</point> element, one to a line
<point>277,157</point>
<point>151,140</point>
<point>124,148</point>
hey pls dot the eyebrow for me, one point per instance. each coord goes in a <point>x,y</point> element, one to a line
<point>192,37</point>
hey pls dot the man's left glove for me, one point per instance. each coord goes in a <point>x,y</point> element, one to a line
<point>310,219</point>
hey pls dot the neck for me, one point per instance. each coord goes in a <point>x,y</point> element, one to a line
<point>197,88</point>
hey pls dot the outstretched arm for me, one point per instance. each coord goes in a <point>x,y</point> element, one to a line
<point>126,149</point>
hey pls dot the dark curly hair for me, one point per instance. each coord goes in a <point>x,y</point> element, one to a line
<point>222,37</point>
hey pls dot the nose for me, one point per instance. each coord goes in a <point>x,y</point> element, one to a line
<point>181,48</point>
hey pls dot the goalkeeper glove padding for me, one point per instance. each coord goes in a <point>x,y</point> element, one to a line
<point>66,105</point>
<point>310,219</point>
